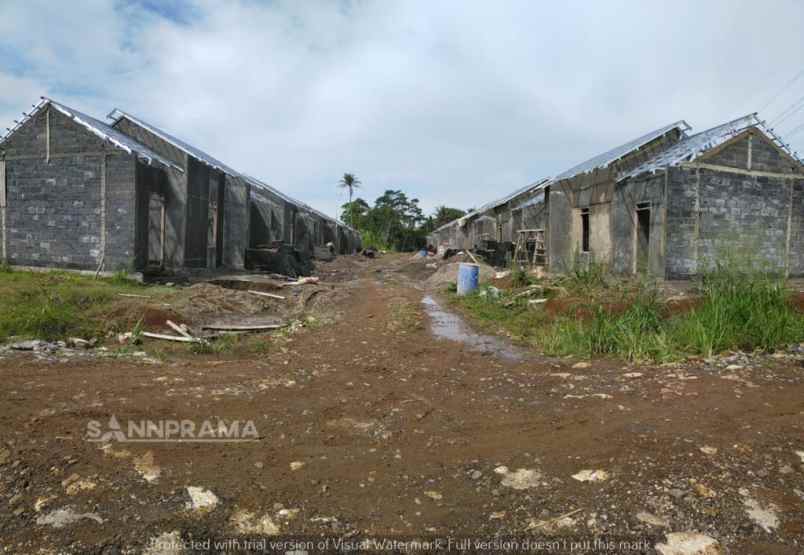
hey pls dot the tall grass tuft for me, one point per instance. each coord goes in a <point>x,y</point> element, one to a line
<point>636,334</point>
<point>742,308</point>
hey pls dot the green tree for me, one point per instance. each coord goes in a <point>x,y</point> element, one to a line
<point>444,215</point>
<point>351,182</point>
<point>355,213</point>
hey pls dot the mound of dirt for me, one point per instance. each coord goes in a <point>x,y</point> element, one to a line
<point>417,269</point>
<point>204,299</point>
<point>448,273</point>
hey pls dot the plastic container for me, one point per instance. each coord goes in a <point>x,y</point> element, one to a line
<point>468,277</point>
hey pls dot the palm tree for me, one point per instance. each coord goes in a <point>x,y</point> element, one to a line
<point>351,182</point>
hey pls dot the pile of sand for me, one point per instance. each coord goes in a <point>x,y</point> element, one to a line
<point>448,273</point>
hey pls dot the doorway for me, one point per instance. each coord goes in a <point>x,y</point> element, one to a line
<point>156,231</point>
<point>642,237</point>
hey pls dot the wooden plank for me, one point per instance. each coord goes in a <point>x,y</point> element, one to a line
<point>171,337</point>
<point>178,329</point>
<point>301,281</point>
<point>226,327</point>
<point>269,295</point>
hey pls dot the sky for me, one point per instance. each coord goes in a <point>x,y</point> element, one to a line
<point>455,103</point>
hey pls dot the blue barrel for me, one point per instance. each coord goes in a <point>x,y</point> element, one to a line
<point>423,253</point>
<point>468,277</point>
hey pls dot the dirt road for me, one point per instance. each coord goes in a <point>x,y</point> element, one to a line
<point>371,426</point>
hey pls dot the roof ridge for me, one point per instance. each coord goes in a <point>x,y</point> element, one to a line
<point>693,146</point>
<point>179,143</point>
<point>96,127</point>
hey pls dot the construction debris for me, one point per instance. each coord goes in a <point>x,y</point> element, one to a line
<point>181,338</point>
<point>181,330</point>
<point>301,281</point>
<point>257,327</point>
<point>269,295</point>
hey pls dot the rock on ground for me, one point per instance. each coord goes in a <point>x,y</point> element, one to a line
<point>201,499</point>
<point>689,543</point>
<point>64,517</point>
<point>523,478</point>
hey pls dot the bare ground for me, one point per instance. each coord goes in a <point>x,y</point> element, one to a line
<point>368,425</point>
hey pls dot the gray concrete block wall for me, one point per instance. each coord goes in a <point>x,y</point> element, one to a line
<point>53,212</point>
<point>682,224</point>
<point>743,214</point>
<point>197,215</point>
<point>267,223</point>
<point>67,137</point>
<point>176,218</point>
<point>235,222</point>
<point>559,236</point>
<point>737,215</point>
<point>796,259</point>
<point>734,155</point>
<point>534,216</point>
<point>28,139</point>
<point>54,208</point>
<point>628,196</point>
<point>120,212</point>
<point>152,141</point>
<point>766,157</point>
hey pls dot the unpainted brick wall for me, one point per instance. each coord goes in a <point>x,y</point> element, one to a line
<point>712,214</point>
<point>54,209</point>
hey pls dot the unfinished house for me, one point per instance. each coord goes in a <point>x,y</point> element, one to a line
<point>78,193</point>
<point>730,190</point>
<point>185,216</point>
<point>70,191</point>
<point>668,204</point>
<point>277,220</point>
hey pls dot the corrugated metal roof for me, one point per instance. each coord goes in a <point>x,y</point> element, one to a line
<point>693,146</point>
<point>102,130</point>
<point>599,161</point>
<point>261,185</point>
<point>608,157</point>
<point>196,153</point>
<point>530,188</point>
<point>213,162</point>
<point>130,145</point>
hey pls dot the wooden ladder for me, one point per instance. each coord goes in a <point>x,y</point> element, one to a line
<point>525,238</point>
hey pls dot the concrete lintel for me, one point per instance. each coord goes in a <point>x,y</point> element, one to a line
<point>751,173</point>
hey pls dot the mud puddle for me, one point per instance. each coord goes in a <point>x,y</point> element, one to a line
<point>446,325</point>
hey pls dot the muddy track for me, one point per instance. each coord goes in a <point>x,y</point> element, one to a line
<point>371,425</point>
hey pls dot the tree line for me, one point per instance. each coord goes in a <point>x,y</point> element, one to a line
<point>394,221</point>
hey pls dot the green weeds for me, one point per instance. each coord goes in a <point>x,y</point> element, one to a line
<point>737,309</point>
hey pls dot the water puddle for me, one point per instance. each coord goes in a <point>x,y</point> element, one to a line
<point>446,325</point>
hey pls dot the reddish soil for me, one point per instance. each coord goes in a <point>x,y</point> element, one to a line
<point>798,301</point>
<point>399,435</point>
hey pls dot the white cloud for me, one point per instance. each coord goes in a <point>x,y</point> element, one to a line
<point>456,103</point>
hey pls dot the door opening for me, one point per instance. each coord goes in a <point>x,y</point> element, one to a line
<point>643,237</point>
<point>156,231</point>
<point>585,230</point>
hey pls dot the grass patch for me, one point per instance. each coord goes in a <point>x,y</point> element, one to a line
<point>738,309</point>
<point>56,305</point>
<point>743,310</point>
<point>517,320</point>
